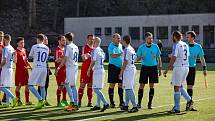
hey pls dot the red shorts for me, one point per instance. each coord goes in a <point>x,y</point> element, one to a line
<point>84,78</point>
<point>61,77</point>
<point>21,77</point>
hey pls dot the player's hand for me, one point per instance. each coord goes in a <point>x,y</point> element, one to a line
<point>159,72</point>
<point>164,73</point>
<point>120,76</point>
<point>87,55</point>
<point>205,72</point>
<point>88,73</point>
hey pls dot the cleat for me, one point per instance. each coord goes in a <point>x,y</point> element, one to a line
<point>104,108</point>
<point>138,105</point>
<point>65,102</point>
<point>124,108</point>
<point>174,111</point>
<point>189,105</point>
<point>193,109</point>
<point>75,108</point>
<point>121,104</point>
<point>47,104</point>
<point>15,101</point>
<point>149,106</point>
<point>95,108</point>
<point>40,104</point>
<point>61,104</point>
<point>69,107</point>
<point>133,110</point>
<point>90,104</point>
<point>112,105</point>
<point>28,103</point>
<point>19,103</point>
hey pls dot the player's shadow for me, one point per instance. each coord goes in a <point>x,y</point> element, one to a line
<point>147,116</point>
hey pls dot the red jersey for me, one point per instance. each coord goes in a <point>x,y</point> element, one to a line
<point>21,74</point>
<point>61,76</point>
<point>85,65</point>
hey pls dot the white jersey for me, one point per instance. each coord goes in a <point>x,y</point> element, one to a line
<point>71,52</point>
<point>98,56</point>
<point>129,54</point>
<point>181,52</point>
<point>39,53</point>
<point>8,54</point>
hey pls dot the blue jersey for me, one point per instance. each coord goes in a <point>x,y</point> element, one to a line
<point>115,49</point>
<point>150,54</point>
<point>195,52</point>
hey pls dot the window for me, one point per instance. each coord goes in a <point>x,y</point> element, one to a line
<point>195,28</point>
<point>118,30</point>
<point>134,32</point>
<point>162,32</point>
<point>184,29</point>
<point>174,28</point>
<point>98,31</point>
<point>148,29</point>
<point>108,31</point>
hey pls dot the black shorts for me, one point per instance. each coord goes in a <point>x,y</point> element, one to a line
<point>150,72</point>
<point>113,74</point>
<point>191,76</point>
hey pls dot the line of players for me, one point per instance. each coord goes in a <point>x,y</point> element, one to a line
<point>121,64</point>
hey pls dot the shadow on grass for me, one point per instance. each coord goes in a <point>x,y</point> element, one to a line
<point>148,116</point>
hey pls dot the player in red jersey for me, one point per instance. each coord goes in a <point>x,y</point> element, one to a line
<point>85,80</point>
<point>21,74</point>
<point>61,75</point>
<point>1,47</point>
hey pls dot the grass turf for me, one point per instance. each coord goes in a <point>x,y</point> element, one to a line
<point>162,103</point>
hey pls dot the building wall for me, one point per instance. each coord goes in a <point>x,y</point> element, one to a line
<point>83,26</point>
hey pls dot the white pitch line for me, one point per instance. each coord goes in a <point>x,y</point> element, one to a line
<point>209,98</point>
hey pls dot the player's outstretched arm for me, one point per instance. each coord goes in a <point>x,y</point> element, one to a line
<point>170,65</point>
<point>90,67</point>
<point>64,59</point>
<point>159,65</point>
<point>202,59</point>
<point>123,68</point>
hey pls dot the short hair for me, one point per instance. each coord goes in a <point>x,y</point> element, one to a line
<point>177,35</point>
<point>1,32</point>
<point>7,37</point>
<point>90,35</point>
<point>115,34</point>
<point>19,39</point>
<point>147,34</point>
<point>192,33</point>
<point>69,36</point>
<point>41,37</point>
<point>127,39</point>
<point>59,37</point>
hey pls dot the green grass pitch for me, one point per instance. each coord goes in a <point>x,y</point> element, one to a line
<point>204,101</point>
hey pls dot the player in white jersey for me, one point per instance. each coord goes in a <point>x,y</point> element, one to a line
<point>180,64</point>
<point>7,71</point>
<point>97,64</point>
<point>71,60</point>
<point>39,52</point>
<point>127,74</point>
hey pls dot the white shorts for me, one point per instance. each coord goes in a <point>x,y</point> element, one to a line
<point>128,81</point>
<point>71,75</point>
<point>98,78</point>
<point>38,77</point>
<point>6,77</point>
<point>179,75</point>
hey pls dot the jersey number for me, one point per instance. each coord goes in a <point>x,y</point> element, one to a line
<point>132,58</point>
<point>75,58</point>
<point>185,53</point>
<point>42,56</point>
